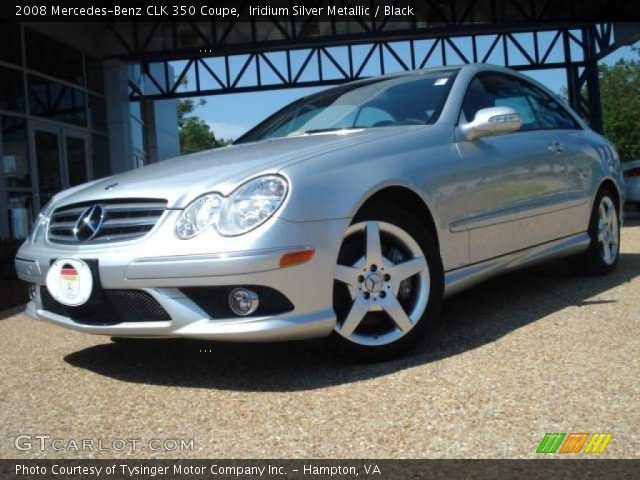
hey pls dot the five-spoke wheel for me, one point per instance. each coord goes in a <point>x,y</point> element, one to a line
<point>604,229</point>
<point>384,283</point>
<point>608,230</point>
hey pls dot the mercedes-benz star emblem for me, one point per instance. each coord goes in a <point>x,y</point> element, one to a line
<point>89,223</point>
<point>373,282</point>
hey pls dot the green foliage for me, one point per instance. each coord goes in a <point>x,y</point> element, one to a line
<point>620,93</point>
<point>195,134</point>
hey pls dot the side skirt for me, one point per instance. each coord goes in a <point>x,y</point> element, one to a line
<point>464,277</point>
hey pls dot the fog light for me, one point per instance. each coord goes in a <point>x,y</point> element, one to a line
<point>243,301</point>
<point>32,291</point>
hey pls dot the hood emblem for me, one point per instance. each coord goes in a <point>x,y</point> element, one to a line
<point>111,186</point>
<point>89,223</point>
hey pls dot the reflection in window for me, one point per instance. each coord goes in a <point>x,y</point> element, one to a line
<point>20,214</point>
<point>137,135</point>
<point>53,58</point>
<point>48,160</point>
<point>97,113</point>
<point>15,158</point>
<point>95,76</point>
<point>56,101</point>
<point>76,149</point>
<point>11,50</point>
<point>100,156</point>
<point>11,90</point>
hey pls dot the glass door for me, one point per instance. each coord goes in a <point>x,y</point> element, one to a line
<point>75,152</point>
<point>61,160</point>
<point>48,159</point>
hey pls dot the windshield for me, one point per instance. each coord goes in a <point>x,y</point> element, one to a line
<point>414,99</point>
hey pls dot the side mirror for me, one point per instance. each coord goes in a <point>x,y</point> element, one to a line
<point>492,121</point>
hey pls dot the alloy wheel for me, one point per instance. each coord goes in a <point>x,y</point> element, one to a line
<point>382,284</point>
<point>608,230</point>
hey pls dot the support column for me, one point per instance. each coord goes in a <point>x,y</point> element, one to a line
<point>592,79</point>
<point>116,79</point>
<point>573,88</point>
<point>149,115</point>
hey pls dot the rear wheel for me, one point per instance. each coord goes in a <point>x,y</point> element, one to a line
<point>388,285</point>
<point>604,229</point>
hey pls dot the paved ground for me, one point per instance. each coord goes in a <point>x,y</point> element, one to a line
<point>533,352</point>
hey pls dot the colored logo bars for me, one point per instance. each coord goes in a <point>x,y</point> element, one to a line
<point>573,442</point>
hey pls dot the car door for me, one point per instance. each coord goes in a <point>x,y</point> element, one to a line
<point>571,142</point>
<point>511,180</point>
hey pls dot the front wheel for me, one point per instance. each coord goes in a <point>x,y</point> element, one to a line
<point>604,229</point>
<point>388,285</point>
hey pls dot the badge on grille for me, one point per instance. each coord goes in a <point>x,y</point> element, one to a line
<point>69,281</point>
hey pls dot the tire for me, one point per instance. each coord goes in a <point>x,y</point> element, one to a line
<point>601,257</point>
<point>376,294</point>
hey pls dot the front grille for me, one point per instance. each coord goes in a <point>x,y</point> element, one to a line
<point>110,307</point>
<point>121,219</point>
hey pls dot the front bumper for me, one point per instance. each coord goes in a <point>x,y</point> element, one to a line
<point>162,265</point>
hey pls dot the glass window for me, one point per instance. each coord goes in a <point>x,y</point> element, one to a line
<point>100,156</point>
<point>97,113</point>
<point>550,113</point>
<point>56,101</point>
<point>413,99</point>
<point>137,135</point>
<point>20,214</point>
<point>48,160</point>
<point>135,110</point>
<point>76,149</point>
<point>53,58</point>
<point>495,90</point>
<point>11,50</point>
<point>11,90</point>
<point>95,75</point>
<point>15,158</point>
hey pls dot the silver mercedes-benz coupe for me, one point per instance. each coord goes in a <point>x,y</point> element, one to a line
<point>349,214</point>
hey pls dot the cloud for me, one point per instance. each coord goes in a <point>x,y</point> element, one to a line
<point>227,130</point>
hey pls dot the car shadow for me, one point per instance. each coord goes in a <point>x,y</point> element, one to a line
<point>469,320</point>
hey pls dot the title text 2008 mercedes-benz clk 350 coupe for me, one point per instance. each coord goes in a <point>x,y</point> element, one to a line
<point>349,214</point>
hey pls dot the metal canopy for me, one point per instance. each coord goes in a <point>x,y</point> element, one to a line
<point>274,52</point>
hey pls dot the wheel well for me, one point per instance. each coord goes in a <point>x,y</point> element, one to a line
<point>408,201</point>
<point>609,185</point>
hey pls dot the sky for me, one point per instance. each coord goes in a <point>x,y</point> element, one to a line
<point>231,115</point>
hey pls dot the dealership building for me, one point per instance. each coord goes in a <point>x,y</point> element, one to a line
<point>67,117</point>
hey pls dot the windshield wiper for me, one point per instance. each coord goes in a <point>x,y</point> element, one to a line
<point>323,130</point>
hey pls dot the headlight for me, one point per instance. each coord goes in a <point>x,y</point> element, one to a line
<point>39,226</point>
<point>200,214</point>
<point>249,206</point>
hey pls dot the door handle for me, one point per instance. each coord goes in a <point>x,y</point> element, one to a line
<point>555,147</point>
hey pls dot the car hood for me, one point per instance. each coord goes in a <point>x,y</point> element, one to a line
<point>179,180</point>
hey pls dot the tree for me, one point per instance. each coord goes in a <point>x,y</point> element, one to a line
<point>620,94</point>
<point>195,133</point>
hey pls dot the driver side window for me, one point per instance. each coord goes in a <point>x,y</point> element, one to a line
<point>496,90</point>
